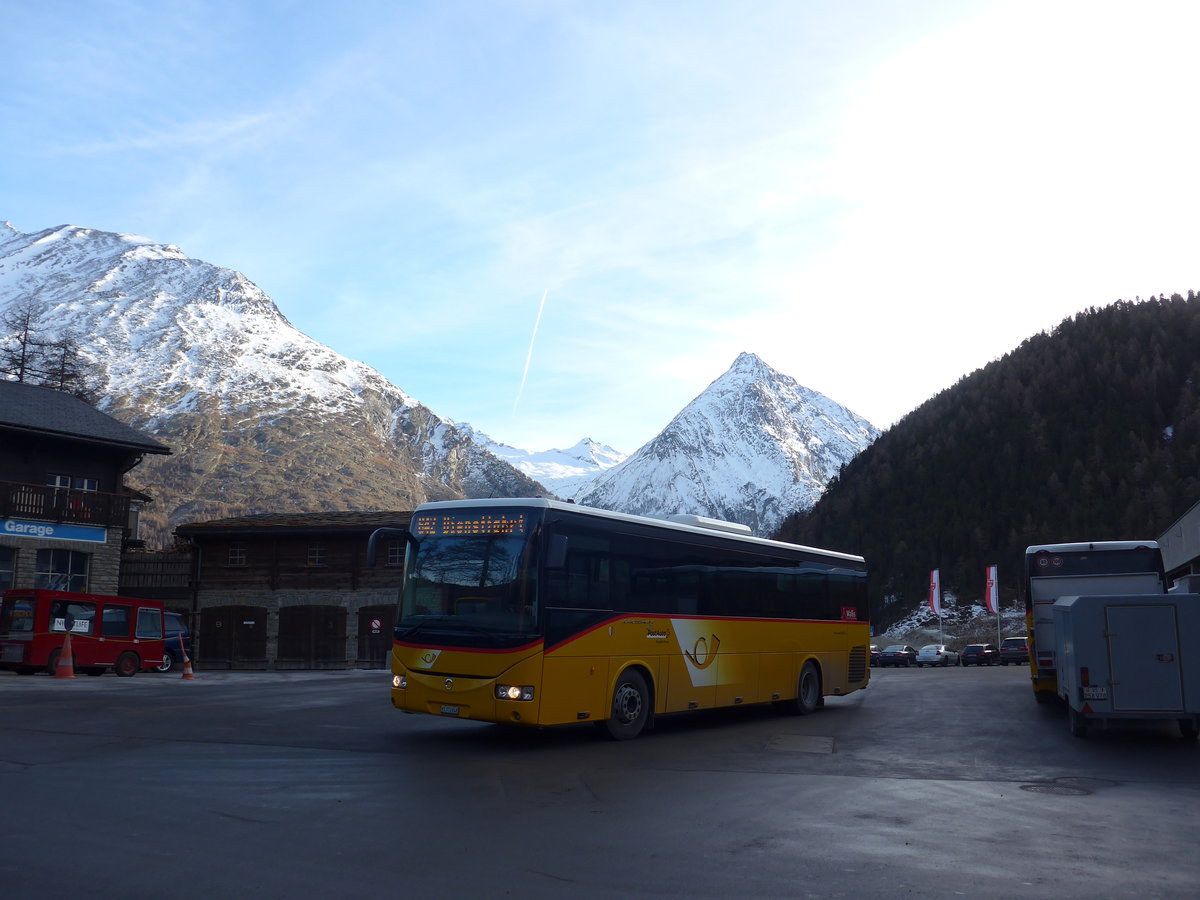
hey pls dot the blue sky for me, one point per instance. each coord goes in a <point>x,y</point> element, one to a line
<point>877,198</point>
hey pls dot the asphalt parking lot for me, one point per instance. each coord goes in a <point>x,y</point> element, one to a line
<point>932,783</point>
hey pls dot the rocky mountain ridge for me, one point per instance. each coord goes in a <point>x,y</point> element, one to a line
<point>260,417</point>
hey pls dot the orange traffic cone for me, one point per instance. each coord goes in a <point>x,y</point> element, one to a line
<point>65,667</point>
<point>187,661</point>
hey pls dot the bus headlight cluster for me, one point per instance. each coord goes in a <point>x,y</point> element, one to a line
<point>400,682</point>
<point>514,692</point>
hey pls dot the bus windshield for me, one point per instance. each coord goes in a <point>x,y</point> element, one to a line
<point>470,573</point>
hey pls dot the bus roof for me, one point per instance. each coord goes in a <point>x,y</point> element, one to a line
<point>1091,545</point>
<point>542,503</point>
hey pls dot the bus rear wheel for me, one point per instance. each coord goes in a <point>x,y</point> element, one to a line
<point>808,691</point>
<point>127,664</point>
<point>630,706</point>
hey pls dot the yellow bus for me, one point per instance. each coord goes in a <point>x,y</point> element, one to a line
<point>537,612</point>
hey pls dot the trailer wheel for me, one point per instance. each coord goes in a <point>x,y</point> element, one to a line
<point>1189,729</point>
<point>127,664</point>
<point>1077,722</point>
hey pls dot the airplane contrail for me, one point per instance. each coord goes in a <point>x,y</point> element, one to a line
<point>529,355</point>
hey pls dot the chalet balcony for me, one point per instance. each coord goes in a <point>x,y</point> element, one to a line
<point>44,503</point>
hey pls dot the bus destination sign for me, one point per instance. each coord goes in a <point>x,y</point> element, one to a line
<point>476,522</point>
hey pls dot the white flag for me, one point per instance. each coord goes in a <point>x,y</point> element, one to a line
<point>935,593</point>
<point>991,594</point>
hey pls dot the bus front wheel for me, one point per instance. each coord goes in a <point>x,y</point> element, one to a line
<point>630,706</point>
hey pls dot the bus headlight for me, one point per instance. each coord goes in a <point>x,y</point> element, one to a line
<point>514,692</point>
<point>400,682</point>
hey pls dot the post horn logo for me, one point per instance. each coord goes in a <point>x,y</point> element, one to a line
<point>449,684</point>
<point>700,656</point>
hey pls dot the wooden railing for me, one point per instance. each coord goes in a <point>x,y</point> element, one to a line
<point>54,504</point>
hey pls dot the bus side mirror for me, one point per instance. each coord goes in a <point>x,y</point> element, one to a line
<point>556,551</point>
<point>373,541</point>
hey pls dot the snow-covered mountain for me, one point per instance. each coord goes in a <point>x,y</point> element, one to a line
<point>754,447</point>
<point>562,472</point>
<point>259,416</point>
<point>262,418</point>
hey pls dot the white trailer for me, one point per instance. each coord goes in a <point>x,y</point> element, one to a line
<point>1131,656</point>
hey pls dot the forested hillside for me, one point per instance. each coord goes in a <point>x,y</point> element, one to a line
<point>1091,432</point>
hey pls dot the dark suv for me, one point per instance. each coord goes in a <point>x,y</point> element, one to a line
<point>979,655</point>
<point>1014,650</point>
<point>174,626</point>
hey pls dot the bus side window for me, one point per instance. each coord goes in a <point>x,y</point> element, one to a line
<point>69,615</point>
<point>149,623</point>
<point>115,621</point>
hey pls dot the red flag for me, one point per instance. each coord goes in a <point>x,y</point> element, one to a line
<point>991,594</point>
<point>935,593</point>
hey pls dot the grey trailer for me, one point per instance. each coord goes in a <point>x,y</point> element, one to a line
<point>1130,656</point>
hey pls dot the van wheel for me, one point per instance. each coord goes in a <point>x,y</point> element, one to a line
<point>127,664</point>
<point>1077,722</point>
<point>630,707</point>
<point>167,662</point>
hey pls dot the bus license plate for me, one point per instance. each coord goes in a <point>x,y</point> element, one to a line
<point>1095,692</point>
<point>449,710</point>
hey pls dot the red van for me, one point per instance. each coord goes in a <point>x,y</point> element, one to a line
<point>121,633</point>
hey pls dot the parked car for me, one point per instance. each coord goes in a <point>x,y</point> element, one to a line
<point>937,655</point>
<point>979,655</point>
<point>1014,650</point>
<point>174,626</point>
<point>875,654</point>
<point>898,655</point>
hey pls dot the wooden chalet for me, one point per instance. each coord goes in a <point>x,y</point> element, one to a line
<point>294,591</point>
<point>65,511</point>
